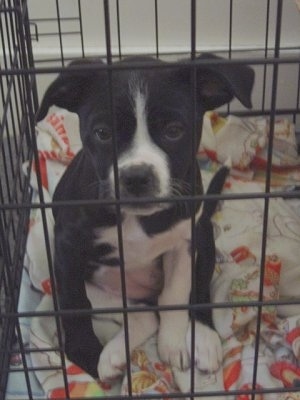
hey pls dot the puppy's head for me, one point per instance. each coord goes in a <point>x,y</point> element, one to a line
<point>145,118</point>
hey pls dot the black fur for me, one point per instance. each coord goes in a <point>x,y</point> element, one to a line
<point>205,244</point>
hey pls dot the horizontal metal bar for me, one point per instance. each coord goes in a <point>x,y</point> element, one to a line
<point>53,19</point>
<point>149,308</point>
<point>178,395</point>
<point>151,65</point>
<point>66,33</point>
<point>102,203</point>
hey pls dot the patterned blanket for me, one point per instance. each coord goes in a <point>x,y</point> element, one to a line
<point>238,231</point>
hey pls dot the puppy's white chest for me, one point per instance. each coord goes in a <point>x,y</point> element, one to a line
<point>140,249</point>
<point>142,257</point>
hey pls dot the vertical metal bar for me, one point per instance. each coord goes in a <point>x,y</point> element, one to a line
<point>193,17</point>
<point>81,28</point>
<point>266,54</point>
<point>60,33</point>
<point>156,28</point>
<point>193,29</point>
<point>119,28</point>
<point>117,192</point>
<point>267,186</point>
<point>14,88</point>
<point>298,98</point>
<point>230,40</point>
<point>107,32</point>
<point>274,92</point>
<point>30,120</point>
<point>230,29</point>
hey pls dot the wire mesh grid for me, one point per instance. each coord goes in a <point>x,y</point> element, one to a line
<point>24,68</point>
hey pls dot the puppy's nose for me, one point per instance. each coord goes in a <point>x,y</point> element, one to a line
<point>138,180</point>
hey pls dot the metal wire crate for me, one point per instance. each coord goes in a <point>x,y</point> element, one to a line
<point>38,43</point>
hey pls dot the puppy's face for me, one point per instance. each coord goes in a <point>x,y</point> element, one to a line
<point>143,125</point>
<point>152,131</point>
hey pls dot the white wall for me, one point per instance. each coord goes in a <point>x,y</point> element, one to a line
<point>137,28</point>
<point>137,23</point>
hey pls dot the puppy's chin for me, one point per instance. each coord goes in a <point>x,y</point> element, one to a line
<point>144,209</point>
<point>138,208</point>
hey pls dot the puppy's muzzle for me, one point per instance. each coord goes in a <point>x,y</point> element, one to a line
<point>138,181</point>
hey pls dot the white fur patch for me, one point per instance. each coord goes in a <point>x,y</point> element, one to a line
<point>143,149</point>
<point>208,348</point>
<point>112,362</point>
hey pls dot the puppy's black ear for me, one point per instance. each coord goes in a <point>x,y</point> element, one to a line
<point>67,91</point>
<point>218,83</point>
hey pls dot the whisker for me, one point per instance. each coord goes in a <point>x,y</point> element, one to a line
<point>180,188</point>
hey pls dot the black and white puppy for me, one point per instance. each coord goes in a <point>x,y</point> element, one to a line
<point>152,130</point>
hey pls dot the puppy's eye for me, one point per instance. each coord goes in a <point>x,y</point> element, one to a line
<point>174,131</point>
<point>102,133</point>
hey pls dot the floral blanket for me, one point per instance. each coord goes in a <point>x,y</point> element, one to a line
<point>238,231</point>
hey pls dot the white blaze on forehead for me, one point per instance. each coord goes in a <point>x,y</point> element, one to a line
<point>141,133</point>
<point>143,150</point>
<point>139,95</point>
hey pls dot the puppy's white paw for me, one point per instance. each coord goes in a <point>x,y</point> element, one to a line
<point>208,348</point>
<point>172,349</point>
<point>112,362</point>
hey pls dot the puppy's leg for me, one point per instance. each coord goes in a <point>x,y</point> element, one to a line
<point>208,349</point>
<point>112,363</point>
<point>141,325</point>
<point>81,344</point>
<point>174,324</point>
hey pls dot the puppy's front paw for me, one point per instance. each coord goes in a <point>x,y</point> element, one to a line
<point>172,349</point>
<point>208,348</point>
<point>112,361</point>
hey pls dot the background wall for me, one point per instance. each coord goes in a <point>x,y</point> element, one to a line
<point>65,29</point>
<point>137,25</point>
<point>143,26</point>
